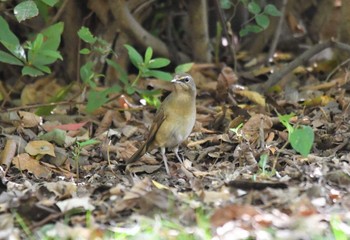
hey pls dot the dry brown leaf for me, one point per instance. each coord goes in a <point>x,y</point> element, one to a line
<point>40,147</point>
<point>61,189</point>
<point>105,123</point>
<point>215,196</point>
<point>25,162</point>
<point>139,167</point>
<point>40,91</point>
<point>8,152</point>
<point>29,119</point>
<point>253,96</point>
<point>318,101</point>
<point>226,78</point>
<point>251,128</point>
<point>139,189</point>
<point>233,212</point>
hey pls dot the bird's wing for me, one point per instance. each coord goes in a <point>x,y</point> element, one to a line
<point>147,146</point>
<point>157,122</point>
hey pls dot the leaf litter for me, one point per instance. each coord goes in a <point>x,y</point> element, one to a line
<point>240,175</point>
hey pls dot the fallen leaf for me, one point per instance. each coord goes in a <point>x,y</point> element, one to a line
<point>77,202</point>
<point>252,96</point>
<point>25,162</point>
<point>29,120</point>
<point>40,147</point>
<point>66,127</point>
<point>233,212</point>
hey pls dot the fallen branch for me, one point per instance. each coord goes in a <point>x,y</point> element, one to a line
<point>278,75</point>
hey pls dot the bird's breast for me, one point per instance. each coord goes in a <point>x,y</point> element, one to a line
<point>177,126</point>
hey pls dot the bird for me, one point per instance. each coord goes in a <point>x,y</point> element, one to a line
<point>173,121</point>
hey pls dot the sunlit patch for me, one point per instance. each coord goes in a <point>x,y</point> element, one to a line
<point>143,102</point>
<point>224,42</point>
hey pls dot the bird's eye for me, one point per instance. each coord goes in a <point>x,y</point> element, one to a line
<point>186,79</point>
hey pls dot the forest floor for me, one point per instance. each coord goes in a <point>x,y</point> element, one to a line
<point>236,182</point>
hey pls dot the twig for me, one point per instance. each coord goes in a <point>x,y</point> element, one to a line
<point>278,75</point>
<point>337,68</point>
<point>277,32</point>
<point>39,105</point>
<point>59,12</point>
<point>224,28</point>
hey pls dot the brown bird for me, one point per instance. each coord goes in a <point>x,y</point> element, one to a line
<point>173,121</point>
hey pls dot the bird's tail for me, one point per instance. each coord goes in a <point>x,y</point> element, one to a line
<point>139,153</point>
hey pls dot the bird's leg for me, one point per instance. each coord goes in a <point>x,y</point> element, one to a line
<point>165,160</point>
<point>176,151</point>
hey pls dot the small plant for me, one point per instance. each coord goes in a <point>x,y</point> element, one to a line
<point>238,130</point>
<point>260,16</point>
<point>147,67</point>
<point>263,163</point>
<point>41,52</point>
<point>77,151</point>
<point>96,98</point>
<point>300,137</point>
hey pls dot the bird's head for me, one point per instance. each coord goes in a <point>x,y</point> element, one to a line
<point>184,82</point>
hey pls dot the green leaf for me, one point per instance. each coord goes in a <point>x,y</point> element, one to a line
<point>10,40</point>
<point>25,10</point>
<point>302,139</point>
<point>262,20</point>
<point>122,74</point>
<point>43,50</point>
<point>52,36</point>
<point>339,228</point>
<point>254,8</point>
<point>151,96</point>
<point>159,74</point>
<point>250,28</point>
<point>264,158</point>
<point>158,63</point>
<point>148,54</point>
<point>225,4</point>
<point>51,54</point>
<point>284,119</point>
<point>57,136</point>
<point>38,42</point>
<point>27,70</point>
<point>271,10</point>
<point>8,58</point>
<point>85,35</point>
<point>114,89</point>
<point>43,68</point>
<point>85,51</point>
<point>51,3</point>
<point>130,90</point>
<point>135,58</point>
<point>97,98</point>
<point>88,142</point>
<point>87,74</point>
<point>184,67</point>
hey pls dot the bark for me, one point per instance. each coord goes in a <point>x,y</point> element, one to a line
<point>137,33</point>
<point>72,19</point>
<point>198,15</point>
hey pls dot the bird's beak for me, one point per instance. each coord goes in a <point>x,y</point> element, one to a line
<point>174,80</point>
